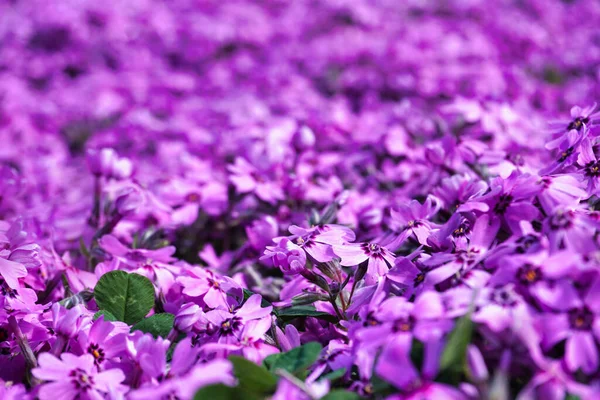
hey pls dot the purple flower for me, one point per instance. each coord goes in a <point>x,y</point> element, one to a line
<point>412,220</point>
<point>579,324</point>
<point>287,256</point>
<point>396,357</point>
<point>581,120</point>
<point>105,162</point>
<point>380,259</point>
<point>510,200</point>
<point>72,377</point>
<point>248,179</point>
<point>318,241</point>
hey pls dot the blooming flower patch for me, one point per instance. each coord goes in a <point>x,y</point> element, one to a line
<point>299,199</point>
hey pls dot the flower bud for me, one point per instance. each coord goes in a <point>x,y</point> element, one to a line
<point>287,256</point>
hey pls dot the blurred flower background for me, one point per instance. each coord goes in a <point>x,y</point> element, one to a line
<point>353,198</point>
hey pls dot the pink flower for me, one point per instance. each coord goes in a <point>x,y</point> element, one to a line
<point>72,377</point>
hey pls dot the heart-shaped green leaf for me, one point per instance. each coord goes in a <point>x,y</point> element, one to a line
<point>157,325</point>
<point>222,392</point>
<point>129,297</point>
<point>107,316</point>
<point>340,395</point>
<point>296,360</point>
<point>252,377</point>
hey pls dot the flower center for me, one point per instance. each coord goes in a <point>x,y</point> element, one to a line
<point>505,297</point>
<point>581,319</point>
<point>81,379</point>
<point>566,154</point>
<point>502,205</point>
<point>193,198</point>
<point>529,274</point>
<point>97,352</point>
<point>592,169</point>
<point>230,325</point>
<point>561,221</point>
<point>578,123</point>
<point>419,279</point>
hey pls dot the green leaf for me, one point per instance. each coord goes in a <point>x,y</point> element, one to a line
<point>304,311</point>
<point>454,355</point>
<point>252,377</point>
<point>129,297</point>
<point>222,392</point>
<point>296,360</point>
<point>270,360</point>
<point>340,395</point>
<point>157,325</point>
<point>333,375</point>
<point>570,396</point>
<point>107,316</point>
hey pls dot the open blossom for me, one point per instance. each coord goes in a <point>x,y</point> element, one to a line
<point>72,377</point>
<point>379,258</point>
<point>248,179</point>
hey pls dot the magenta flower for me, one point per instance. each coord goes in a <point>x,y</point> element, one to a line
<point>380,259</point>
<point>248,179</point>
<point>579,324</point>
<point>72,377</point>
<point>412,220</point>
<point>105,162</point>
<point>287,256</point>
<point>510,200</point>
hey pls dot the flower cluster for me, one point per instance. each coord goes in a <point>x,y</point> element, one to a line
<point>302,200</point>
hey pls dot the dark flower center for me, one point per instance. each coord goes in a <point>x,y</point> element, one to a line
<point>307,240</point>
<point>503,202</point>
<point>97,352</point>
<point>592,169</point>
<point>230,325</point>
<point>81,379</point>
<point>578,123</point>
<point>561,221</point>
<point>566,154</point>
<point>414,223</point>
<point>529,274</point>
<point>193,198</point>
<point>404,325</point>
<point>525,242</point>
<point>581,319</point>
<point>372,250</point>
<point>463,229</point>
<point>505,297</point>
<point>419,279</point>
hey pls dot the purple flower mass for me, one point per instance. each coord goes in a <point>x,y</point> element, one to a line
<point>333,199</point>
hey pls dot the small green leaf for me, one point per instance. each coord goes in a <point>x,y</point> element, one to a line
<point>107,316</point>
<point>304,311</point>
<point>270,360</point>
<point>298,359</point>
<point>454,355</point>
<point>570,396</point>
<point>333,375</point>
<point>222,392</point>
<point>252,377</point>
<point>129,297</point>
<point>340,395</point>
<point>157,325</point>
